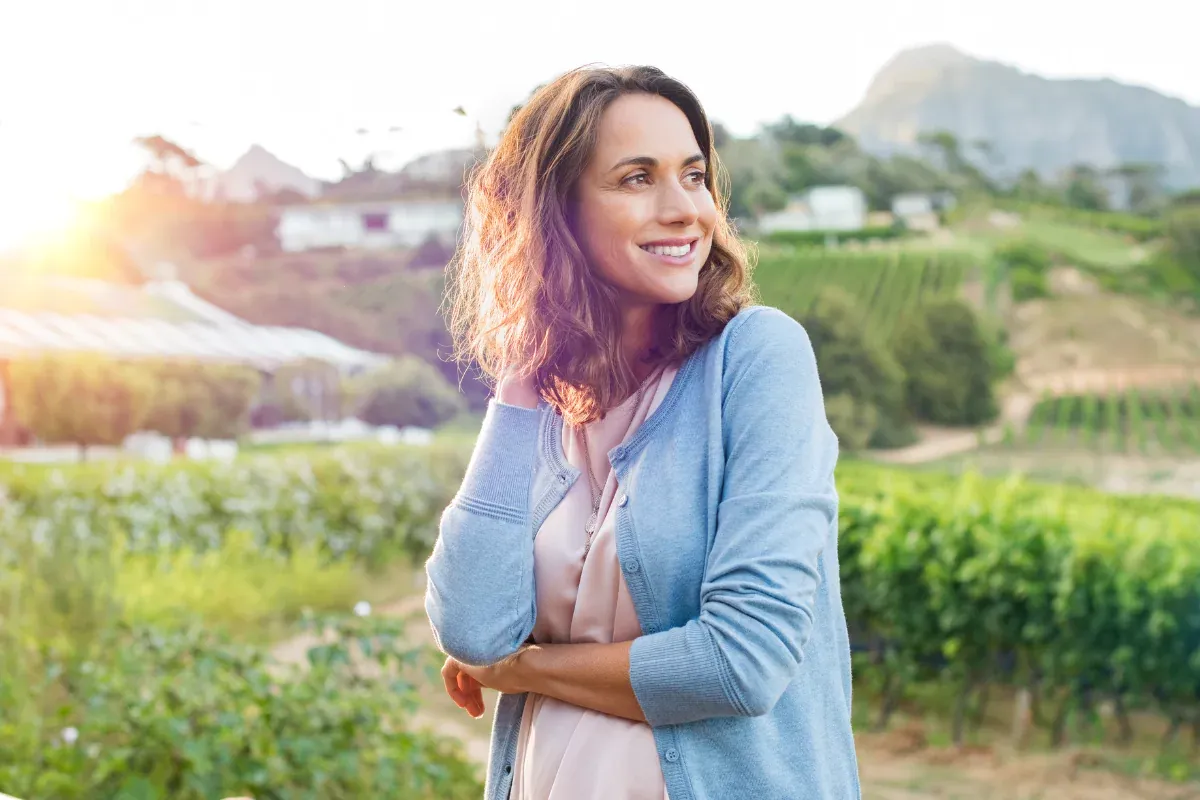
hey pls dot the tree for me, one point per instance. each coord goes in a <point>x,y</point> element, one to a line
<point>81,400</point>
<point>1183,238</point>
<point>947,364</point>
<point>1084,188</point>
<point>207,401</point>
<point>1143,184</point>
<point>408,392</point>
<point>859,368</point>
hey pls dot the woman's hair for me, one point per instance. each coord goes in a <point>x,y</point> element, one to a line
<point>521,295</point>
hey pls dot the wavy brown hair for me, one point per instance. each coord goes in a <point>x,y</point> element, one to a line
<point>521,295</point>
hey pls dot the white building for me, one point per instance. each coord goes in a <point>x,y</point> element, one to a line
<point>919,210</point>
<point>381,224</point>
<point>822,208</point>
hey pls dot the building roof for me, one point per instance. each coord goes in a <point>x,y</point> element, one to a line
<point>158,320</point>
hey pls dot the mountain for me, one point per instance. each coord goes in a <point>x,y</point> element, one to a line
<point>1028,120</point>
<point>259,169</point>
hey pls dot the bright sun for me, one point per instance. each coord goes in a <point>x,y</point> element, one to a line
<point>35,217</point>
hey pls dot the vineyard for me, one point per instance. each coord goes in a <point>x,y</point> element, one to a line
<point>1079,597</point>
<point>888,282</point>
<point>1138,421</point>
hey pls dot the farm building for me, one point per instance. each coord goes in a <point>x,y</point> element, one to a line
<point>822,208</point>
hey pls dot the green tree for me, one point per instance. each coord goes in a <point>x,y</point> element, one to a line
<point>947,363</point>
<point>81,400</point>
<point>1084,188</point>
<point>208,401</point>
<point>409,391</point>
<point>1183,238</point>
<point>857,367</point>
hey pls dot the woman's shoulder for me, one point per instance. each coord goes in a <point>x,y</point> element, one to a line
<point>762,331</point>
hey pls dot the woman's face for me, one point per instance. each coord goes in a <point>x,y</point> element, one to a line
<point>645,218</point>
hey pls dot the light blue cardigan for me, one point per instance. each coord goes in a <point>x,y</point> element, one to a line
<point>727,536</point>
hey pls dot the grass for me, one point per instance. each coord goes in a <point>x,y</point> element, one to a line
<point>1092,246</point>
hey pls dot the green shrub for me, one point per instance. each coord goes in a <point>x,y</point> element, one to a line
<point>857,366</point>
<point>1027,284</point>
<point>190,716</point>
<point>945,357</point>
<point>408,391</point>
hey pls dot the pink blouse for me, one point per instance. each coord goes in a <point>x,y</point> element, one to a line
<point>565,752</point>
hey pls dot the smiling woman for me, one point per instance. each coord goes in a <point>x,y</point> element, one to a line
<point>642,557</point>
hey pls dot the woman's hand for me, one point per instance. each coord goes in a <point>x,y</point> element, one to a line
<point>464,690</point>
<point>465,683</point>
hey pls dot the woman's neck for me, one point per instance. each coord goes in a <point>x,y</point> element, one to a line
<point>637,337</point>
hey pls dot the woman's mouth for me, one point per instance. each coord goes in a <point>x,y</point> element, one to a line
<point>672,253</point>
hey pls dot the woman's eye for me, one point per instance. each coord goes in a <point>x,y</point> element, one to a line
<point>697,176</point>
<point>638,179</point>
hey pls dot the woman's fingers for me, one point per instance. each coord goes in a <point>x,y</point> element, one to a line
<point>475,709</point>
<point>451,676</point>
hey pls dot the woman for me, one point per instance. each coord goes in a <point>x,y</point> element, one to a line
<point>642,557</point>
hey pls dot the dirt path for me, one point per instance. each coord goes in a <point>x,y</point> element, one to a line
<point>937,442</point>
<point>898,765</point>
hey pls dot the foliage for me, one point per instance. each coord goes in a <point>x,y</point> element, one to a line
<point>858,367</point>
<point>407,392</point>
<point>187,715</point>
<point>818,238</point>
<point>80,400</point>
<point>973,581</point>
<point>886,284</point>
<point>1026,263</point>
<point>1183,239</point>
<point>209,401</point>
<point>1140,228</point>
<point>945,356</point>
<point>368,504</point>
<point>1120,421</point>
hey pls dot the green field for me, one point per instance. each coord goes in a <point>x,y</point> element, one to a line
<point>889,283</point>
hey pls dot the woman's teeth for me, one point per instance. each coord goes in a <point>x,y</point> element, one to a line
<point>659,250</point>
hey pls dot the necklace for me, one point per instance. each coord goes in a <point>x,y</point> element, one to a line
<point>596,488</point>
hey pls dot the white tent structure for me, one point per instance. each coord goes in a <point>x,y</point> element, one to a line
<point>166,321</point>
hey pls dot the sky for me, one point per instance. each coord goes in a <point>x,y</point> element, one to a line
<point>80,78</point>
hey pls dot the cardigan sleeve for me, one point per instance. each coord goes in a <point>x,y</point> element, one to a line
<point>776,513</point>
<point>479,590</point>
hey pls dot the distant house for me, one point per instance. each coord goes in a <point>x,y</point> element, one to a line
<point>822,208</point>
<point>373,224</point>
<point>920,210</point>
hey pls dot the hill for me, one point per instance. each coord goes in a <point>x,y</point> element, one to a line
<point>1028,120</point>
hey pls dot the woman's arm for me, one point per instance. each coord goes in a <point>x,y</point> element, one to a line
<point>479,594</point>
<point>776,514</point>
<point>594,676</point>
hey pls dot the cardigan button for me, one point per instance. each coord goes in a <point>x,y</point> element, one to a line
<point>623,500</point>
<point>672,754</point>
<point>507,769</point>
<point>632,567</point>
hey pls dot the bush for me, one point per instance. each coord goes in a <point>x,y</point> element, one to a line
<point>209,401</point>
<point>191,716</point>
<point>407,392</point>
<point>1027,284</point>
<point>80,400</point>
<point>856,366</point>
<point>946,360</point>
